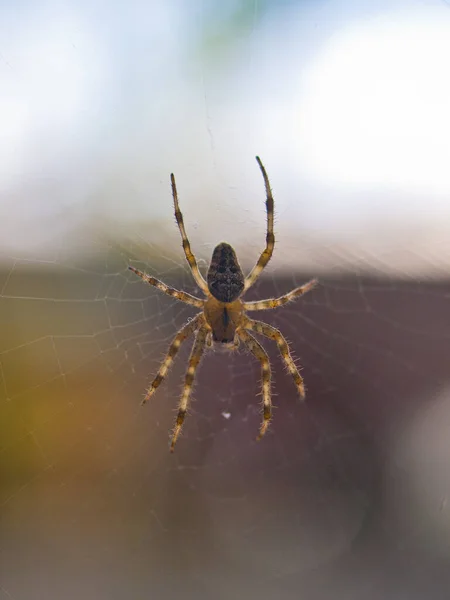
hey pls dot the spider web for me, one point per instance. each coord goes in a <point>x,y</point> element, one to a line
<point>346,497</point>
<point>88,482</point>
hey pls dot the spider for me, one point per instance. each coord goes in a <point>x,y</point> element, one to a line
<point>223,317</point>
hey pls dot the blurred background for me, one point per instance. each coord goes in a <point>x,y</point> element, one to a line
<point>347,497</point>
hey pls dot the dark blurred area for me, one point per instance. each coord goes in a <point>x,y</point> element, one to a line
<point>345,498</point>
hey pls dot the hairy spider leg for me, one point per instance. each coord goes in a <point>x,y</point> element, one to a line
<point>181,336</point>
<point>274,334</point>
<point>276,302</point>
<point>194,360</point>
<point>179,295</point>
<point>258,351</point>
<point>186,245</point>
<point>266,255</point>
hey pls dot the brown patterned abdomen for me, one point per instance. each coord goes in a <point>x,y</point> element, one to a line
<point>225,278</point>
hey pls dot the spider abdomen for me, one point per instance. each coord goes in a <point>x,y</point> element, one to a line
<point>225,278</point>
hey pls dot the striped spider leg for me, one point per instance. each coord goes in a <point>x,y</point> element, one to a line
<point>274,334</point>
<point>270,303</point>
<point>258,351</point>
<point>266,254</point>
<point>196,355</point>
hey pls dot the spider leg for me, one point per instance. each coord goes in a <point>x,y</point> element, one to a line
<point>182,335</point>
<point>274,334</point>
<point>183,296</point>
<point>266,255</point>
<point>257,350</point>
<point>276,302</point>
<point>194,360</point>
<point>186,245</point>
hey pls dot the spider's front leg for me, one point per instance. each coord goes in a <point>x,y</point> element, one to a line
<point>194,360</point>
<point>182,335</point>
<point>274,334</point>
<point>258,351</point>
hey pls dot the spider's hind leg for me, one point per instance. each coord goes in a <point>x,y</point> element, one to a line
<point>266,254</point>
<point>190,257</point>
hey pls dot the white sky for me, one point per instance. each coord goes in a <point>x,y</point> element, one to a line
<point>376,109</point>
<point>348,107</point>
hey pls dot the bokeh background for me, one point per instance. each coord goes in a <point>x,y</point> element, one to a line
<point>347,497</point>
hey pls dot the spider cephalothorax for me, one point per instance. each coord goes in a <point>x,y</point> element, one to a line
<point>223,315</point>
